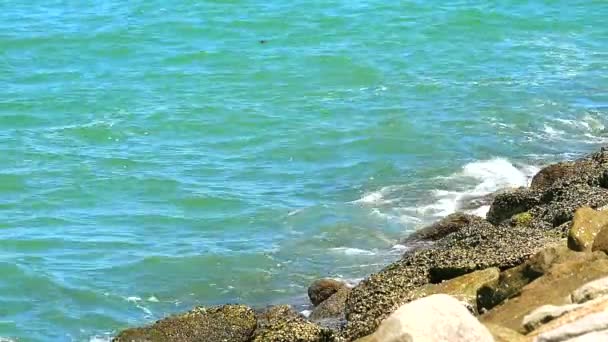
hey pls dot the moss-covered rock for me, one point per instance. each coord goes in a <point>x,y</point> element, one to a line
<point>587,223</point>
<point>282,324</point>
<point>216,324</point>
<point>507,204</point>
<point>522,219</point>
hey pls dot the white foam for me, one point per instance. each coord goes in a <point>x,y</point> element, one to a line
<point>133,299</point>
<point>95,339</point>
<point>306,313</point>
<point>352,251</point>
<point>553,132</point>
<point>153,299</point>
<point>487,177</point>
<point>371,197</point>
<point>481,211</point>
<point>473,181</point>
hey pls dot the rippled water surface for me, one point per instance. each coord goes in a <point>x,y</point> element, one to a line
<point>157,155</point>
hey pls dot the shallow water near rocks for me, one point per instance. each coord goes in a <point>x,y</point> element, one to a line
<point>157,156</point>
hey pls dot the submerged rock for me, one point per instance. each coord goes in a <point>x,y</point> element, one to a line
<point>435,318</point>
<point>216,324</point>
<point>586,225</point>
<point>322,289</point>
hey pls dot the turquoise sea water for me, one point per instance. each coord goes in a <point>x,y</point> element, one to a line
<point>156,155</point>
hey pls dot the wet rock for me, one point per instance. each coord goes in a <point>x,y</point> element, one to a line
<point>551,174</point>
<point>449,224</point>
<point>332,307</point>
<point>282,324</point>
<point>590,291</point>
<point>322,289</point>
<point>435,318</point>
<point>507,204</point>
<point>483,246</point>
<point>553,288</point>
<point>601,241</point>
<point>587,223</point>
<point>464,288</point>
<point>502,334</point>
<point>222,323</point>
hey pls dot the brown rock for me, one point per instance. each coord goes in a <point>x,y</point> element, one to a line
<point>551,174</point>
<point>449,224</point>
<point>587,223</point>
<point>464,288</point>
<point>322,289</point>
<point>282,324</point>
<point>502,334</point>
<point>216,324</point>
<point>507,204</point>
<point>601,241</point>
<point>553,288</point>
<point>332,306</point>
<point>512,280</point>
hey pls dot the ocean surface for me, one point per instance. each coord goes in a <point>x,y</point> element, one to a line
<point>159,155</point>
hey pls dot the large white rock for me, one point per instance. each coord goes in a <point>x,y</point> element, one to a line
<point>595,336</point>
<point>591,324</point>
<point>439,318</point>
<point>545,314</point>
<point>590,291</point>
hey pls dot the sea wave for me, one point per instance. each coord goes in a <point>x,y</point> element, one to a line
<point>465,190</point>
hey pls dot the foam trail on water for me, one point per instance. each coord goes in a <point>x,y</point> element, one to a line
<point>465,190</point>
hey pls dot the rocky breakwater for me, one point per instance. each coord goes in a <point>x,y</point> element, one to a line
<point>533,270</point>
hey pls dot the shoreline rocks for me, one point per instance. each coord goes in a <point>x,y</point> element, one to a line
<point>536,268</point>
